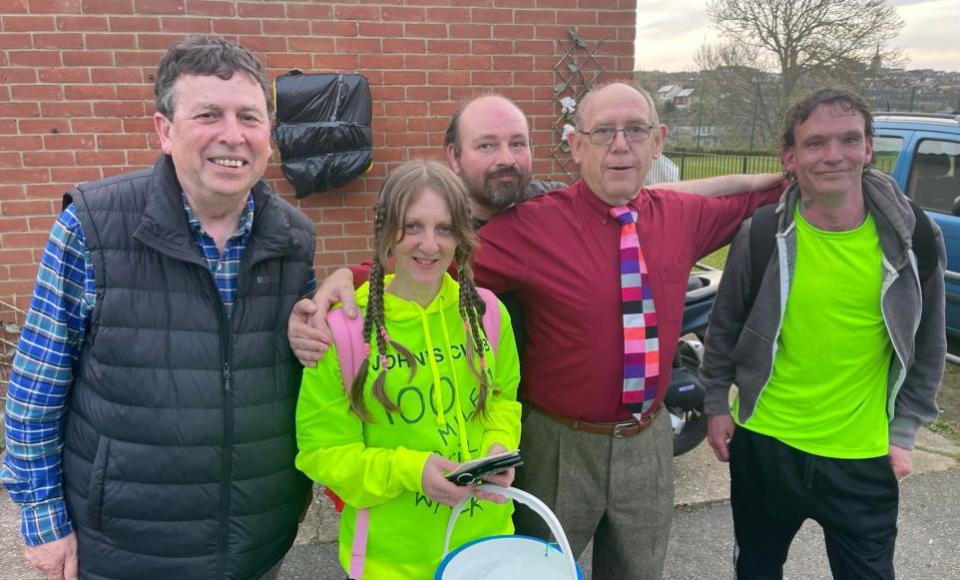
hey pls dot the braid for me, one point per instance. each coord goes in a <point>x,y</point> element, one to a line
<point>380,383</point>
<point>372,323</point>
<point>401,189</point>
<point>375,319</point>
<point>472,309</point>
<point>356,389</point>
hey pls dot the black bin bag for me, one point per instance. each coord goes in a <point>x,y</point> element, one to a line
<point>323,129</point>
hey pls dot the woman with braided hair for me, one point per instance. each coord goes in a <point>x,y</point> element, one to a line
<point>429,394</point>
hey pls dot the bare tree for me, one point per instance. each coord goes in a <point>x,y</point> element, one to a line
<point>744,93</point>
<point>802,39</point>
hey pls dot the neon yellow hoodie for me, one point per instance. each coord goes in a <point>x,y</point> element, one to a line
<point>378,465</point>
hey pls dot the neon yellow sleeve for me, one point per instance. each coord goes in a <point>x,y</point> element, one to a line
<point>501,422</point>
<point>332,450</point>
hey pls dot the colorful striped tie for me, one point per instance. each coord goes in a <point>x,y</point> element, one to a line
<point>641,353</point>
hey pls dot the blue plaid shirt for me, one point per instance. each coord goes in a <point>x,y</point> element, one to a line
<point>50,342</point>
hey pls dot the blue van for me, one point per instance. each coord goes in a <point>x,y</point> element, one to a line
<point>922,152</point>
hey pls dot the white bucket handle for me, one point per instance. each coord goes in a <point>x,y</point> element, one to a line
<point>533,503</point>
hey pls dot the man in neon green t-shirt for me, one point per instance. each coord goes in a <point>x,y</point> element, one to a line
<point>837,354</point>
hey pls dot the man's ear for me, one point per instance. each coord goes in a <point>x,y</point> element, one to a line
<point>660,138</point>
<point>789,159</point>
<point>453,160</point>
<point>163,127</point>
<point>869,157</point>
<point>575,140</point>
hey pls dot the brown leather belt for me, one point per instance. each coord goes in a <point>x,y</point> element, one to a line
<point>617,430</point>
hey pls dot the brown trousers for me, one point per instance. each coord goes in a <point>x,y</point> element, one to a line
<point>619,492</point>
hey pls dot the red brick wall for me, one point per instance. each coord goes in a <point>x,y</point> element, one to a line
<point>76,84</point>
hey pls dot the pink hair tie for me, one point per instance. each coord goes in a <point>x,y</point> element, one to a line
<point>383,361</point>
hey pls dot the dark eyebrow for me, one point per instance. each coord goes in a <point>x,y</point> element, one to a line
<point>853,133</point>
<point>215,107</point>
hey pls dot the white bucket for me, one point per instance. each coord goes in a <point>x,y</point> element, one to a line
<point>510,557</point>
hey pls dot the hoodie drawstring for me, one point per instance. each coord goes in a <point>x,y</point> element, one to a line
<point>437,391</point>
<point>461,422</point>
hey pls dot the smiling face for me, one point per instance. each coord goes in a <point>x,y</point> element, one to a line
<point>424,248</point>
<point>219,137</point>
<point>615,172</point>
<point>494,158</point>
<point>830,152</point>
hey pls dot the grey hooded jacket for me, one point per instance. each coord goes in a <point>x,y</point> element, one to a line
<point>741,344</point>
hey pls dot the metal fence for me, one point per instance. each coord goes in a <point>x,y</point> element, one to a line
<point>695,165</point>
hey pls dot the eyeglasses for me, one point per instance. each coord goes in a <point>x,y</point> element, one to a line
<point>632,133</point>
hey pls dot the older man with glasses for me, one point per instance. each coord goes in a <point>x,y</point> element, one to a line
<point>603,304</point>
<point>586,442</point>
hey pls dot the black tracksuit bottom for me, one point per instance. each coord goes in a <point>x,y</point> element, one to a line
<point>775,487</point>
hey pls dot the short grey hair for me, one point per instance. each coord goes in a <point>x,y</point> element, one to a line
<point>206,55</point>
<point>582,105</point>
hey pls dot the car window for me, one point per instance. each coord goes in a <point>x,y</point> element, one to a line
<point>935,175</point>
<point>886,149</point>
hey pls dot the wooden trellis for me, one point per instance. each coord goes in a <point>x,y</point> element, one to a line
<point>577,71</point>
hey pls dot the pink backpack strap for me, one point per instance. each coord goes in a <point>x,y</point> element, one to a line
<point>348,337</point>
<point>358,552</point>
<point>491,318</point>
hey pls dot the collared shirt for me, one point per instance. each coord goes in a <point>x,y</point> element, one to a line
<point>50,343</point>
<point>225,266</point>
<point>559,253</point>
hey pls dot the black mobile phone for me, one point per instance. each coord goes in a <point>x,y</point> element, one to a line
<point>474,471</point>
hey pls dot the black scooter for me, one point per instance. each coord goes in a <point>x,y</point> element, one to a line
<point>684,398</point>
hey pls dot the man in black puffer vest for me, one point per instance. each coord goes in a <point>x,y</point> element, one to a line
<point>150,421</point>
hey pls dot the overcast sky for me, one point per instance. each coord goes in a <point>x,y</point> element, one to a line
<point>669,32</point>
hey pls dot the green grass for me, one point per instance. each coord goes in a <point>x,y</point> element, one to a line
<point>941,426</point>
<point>700,165</point>
<point>696,165</point>
<point>718,258</point>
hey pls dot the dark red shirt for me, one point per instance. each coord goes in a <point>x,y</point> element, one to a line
<point>560,254</point>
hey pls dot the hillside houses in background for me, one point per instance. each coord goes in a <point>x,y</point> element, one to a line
<point>671,97</point>
<point>704,109</point>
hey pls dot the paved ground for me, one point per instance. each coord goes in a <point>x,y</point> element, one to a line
<point>702,538</point>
